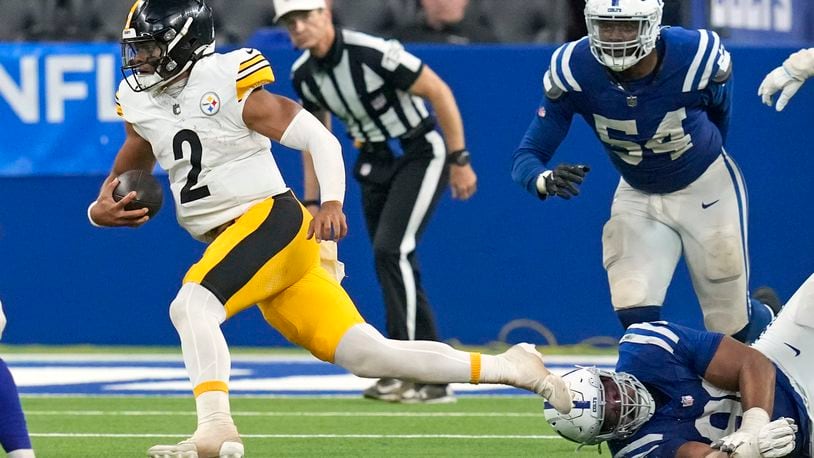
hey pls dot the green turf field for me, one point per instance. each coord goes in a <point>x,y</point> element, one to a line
<point>300,426</point>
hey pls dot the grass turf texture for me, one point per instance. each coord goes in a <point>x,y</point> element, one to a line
<point>299,426</point>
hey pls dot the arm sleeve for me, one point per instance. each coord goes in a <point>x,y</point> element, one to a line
<point>717,83</point>
<point>720,107</point>
<point>660,350</point>
<point>306,133</point>
<point>543,136</point>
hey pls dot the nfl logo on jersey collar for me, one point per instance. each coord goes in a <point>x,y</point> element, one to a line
<point>210,104</point>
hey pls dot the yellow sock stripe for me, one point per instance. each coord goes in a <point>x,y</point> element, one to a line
<point>212,385</point>
<point>474,371</point>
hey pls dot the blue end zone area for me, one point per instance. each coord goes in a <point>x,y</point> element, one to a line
<point>266,376</point>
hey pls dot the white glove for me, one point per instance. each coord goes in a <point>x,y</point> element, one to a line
<point>743,443</point>
<point>777,438</point>
<point>557,393</point>
<point>779,80</point>
<point>787,78</point>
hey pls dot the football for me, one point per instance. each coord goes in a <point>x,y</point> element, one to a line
<point>148,191</point>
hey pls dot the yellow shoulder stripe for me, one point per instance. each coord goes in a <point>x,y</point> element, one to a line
<point>248,63</point>
<point>260,76</point>
<point>119,110</point>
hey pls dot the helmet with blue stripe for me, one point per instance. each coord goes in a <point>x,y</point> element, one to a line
<point>622,32</point>
<point>607,405</point>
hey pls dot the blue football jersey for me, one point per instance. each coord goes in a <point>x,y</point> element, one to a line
<point>661,132</point>
<point>671,360</point>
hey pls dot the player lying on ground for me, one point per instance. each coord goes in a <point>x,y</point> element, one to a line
<point>686,393</point>
<point>204,118</point>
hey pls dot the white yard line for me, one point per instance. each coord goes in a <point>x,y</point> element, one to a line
<point>149,413</point>
<point>315,436</point>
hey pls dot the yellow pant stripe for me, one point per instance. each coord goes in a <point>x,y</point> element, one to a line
<point>212,385</point>
<point>474,360</point>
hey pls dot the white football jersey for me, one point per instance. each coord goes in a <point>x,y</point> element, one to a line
<point>217,166</point>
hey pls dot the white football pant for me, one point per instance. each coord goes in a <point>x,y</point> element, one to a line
<point>789,343</point>
<point>646,234</point>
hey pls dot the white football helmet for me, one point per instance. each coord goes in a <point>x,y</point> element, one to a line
<point>607,405</point>
<point>622,32</point>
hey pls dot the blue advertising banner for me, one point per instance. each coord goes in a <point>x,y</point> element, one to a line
<point>757,22</point>
<point>502,265</point>
<point>58,101</point>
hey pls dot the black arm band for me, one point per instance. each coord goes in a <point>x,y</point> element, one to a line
<point>308,203</point>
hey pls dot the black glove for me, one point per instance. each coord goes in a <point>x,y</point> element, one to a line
<point>562,180</point>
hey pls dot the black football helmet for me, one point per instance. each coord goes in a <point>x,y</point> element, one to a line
<point>163,38</point>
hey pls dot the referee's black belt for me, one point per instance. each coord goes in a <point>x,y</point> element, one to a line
<point>418,132</point>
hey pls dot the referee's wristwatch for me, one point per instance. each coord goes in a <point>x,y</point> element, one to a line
<point>460,157</point>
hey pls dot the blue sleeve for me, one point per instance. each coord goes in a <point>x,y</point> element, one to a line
<point>656,446</point>
<point>658,351</point>
<point>547,130</point>
<point>720,107</point>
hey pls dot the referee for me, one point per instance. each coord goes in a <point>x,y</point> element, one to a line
<point>378,89</point>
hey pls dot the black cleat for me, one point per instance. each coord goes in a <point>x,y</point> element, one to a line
<point>768,296</point>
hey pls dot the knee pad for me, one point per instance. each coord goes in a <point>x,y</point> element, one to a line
<point>195,300</point>
<point>362,350</point>
<point>723,254</point>
<point>724,321</point>
<point>627,292</point>
<point>612,242</point>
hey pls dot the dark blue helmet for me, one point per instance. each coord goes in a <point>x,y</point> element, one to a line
<point>164,38</point>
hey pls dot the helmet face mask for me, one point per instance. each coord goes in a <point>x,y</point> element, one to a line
<point>607,405</point>
<point>164,38</point>
<point>622,32</point>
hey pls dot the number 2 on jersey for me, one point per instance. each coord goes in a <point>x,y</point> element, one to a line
<point>187,136</point>
<point>669,137</point>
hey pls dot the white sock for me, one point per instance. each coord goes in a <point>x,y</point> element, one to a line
<point>213,406</point>
<point>22,453</point>
<point>197,315</point>
<point>366,353</point>
<point>495,369</point>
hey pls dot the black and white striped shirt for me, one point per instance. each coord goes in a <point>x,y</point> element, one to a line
<point>364,81</point>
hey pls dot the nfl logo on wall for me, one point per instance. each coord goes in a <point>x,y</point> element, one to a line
<point>210,103</point>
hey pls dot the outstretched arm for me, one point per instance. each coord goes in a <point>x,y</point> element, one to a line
<point>787,78</point>
<point>286,122</point>
<point>310,195</point>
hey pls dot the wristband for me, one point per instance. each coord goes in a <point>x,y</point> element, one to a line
<point>92,222</point>
<point>459,157</point>
<point>308,203</point>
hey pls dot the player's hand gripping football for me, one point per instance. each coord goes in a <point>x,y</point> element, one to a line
<point>779,80</point>
<point>563,180</point>
<point>108,212</point>
<point>329,223</point>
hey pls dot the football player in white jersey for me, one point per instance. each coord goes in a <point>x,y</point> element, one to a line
<point>204,117</point>
<point>787,78</point>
